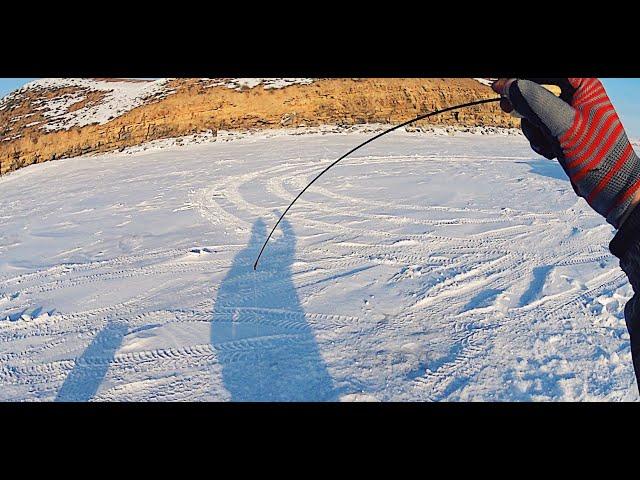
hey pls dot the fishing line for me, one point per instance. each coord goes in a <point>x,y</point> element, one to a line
<point>420,117</point>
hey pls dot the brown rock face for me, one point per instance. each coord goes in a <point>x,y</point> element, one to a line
<point>195,106</point>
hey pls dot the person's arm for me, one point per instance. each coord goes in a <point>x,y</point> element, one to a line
<point>582,130</point>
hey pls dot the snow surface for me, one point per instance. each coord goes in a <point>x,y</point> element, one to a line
<point>425,268</point>
<point>121,97</point>
<point>234,135</point>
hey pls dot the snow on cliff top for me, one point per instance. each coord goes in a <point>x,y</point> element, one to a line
<point>266,83</point>
<point>77,108</point>
<point>486,81</point>
<point>121,96</point>
<point>269,83</point>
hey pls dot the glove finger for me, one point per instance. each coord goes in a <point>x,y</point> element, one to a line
<point>540,142</point>
<point>567,88</point>
<point>541,107</point>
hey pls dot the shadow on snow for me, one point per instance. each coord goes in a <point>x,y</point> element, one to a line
<point>266,348</point>
<point>83,381</point>
<point>546,168</point>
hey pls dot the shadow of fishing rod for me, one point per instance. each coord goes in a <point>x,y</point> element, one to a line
<point>408,122</point>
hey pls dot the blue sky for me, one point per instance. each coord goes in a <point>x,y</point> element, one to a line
<point>9,84</point>
<point>624,92</point>
<point>625,95</point>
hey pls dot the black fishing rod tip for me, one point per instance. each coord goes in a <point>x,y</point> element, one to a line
<point>421,117</point>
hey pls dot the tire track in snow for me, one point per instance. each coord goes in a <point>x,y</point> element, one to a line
<point>501,257</point>
<point>470,343</point>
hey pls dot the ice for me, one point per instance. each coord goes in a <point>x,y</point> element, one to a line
<point>427,267</point>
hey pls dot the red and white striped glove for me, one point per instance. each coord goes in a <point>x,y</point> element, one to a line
<point>582,130</point>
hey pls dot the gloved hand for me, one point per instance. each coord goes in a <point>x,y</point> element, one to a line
<point>582,130</point>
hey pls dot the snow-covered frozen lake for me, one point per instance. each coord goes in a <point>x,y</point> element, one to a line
<point>425,268</point>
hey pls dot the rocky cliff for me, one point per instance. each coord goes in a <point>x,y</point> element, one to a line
<point>55,118</point>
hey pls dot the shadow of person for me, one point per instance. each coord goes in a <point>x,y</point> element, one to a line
<point>89,370</point>
<point>546,168</point>
<point>266,349</point>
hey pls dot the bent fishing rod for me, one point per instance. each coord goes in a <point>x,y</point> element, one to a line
<point>408,122</point>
